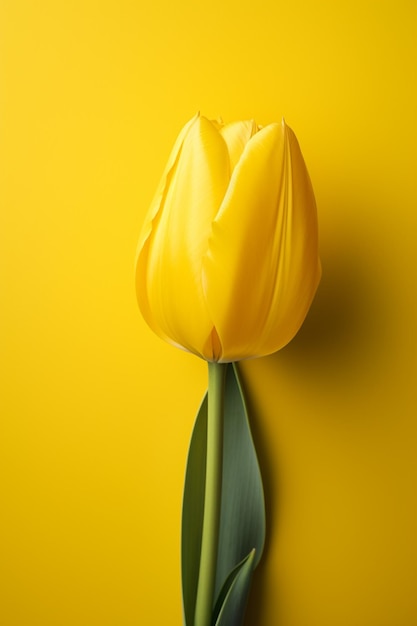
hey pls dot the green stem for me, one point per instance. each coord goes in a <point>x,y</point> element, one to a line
<point>212,496</point>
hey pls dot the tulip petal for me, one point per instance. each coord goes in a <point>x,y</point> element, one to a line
<point>299,261</point>
<point>159,195</point>
<point>236,136</point>
<point>261,269</point>
<point>169,264</point>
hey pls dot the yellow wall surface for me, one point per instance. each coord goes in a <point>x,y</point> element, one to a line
<point>96,411</point>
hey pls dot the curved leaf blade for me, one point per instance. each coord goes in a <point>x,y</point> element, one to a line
<point>231,605</point>
<point>193,512</point>
<point>242,525</point>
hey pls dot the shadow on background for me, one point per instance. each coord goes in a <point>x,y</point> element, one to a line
<point>344,326</point>
<point>342,337</point>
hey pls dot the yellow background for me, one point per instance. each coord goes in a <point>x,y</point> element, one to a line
<point>96,412</point>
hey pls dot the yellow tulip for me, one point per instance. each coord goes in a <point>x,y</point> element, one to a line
<point>227,263</point>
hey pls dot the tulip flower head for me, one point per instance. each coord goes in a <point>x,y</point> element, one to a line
<point>227,263</point>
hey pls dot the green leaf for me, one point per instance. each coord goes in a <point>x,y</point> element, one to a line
<point>231,603</point>
<point>242,523</point>
<point>192,513</point>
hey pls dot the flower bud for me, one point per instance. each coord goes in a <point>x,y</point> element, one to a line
<point>227,263</point>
